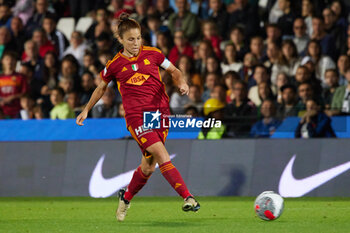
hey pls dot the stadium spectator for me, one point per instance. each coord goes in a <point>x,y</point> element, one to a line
<point>210,33</point>
<point>341,98</point>
<point>229,78</point>
<point>61,109</point>
<point>101,19</point>
<point>163,43</point>
<point>6,44</point>
<point>121,111</point>
<point>163,11</point>
<point>24,10</point>
<point>185,65</point>
<point>219,92</point>
<point>12,86</point>
<point>260,76</point>
<point>117,7</point>
<point>276,61</point>
<point>212,65</point>
<point>211,80</point>
<point>27,105</point>
<point>238,39</point>
<point>257,48</point>
<point>38,112</point>
<point>247,71</point>
<point>307,12</point>
<point>69,70</point>
<point>319,33</point>
<point>184,20</point>
<point>5,16</point>
<point>109,108</point>
<point>303,75</point>
<point>154,25</point>
<point>343,64</point>
<point>288,107</point>
<point>273,33</point>
<point>285,22</point>
<point>181,47</point>
<point>268,124</point>
<point>332,82</point>
<point>204,51</point>
<point>88,87</point>
<point>241,112</point>
<point>230,62</point>
<point>34,85</point>
<point>56,37</point>
<point>34,22</point>
<point>305,92</point>
<point>246,15</point>
<point>301,38</point>
<point>213,108</point>
<point>282,79</point>
<point>89,63</point>
<point>315,123</point>
<point>322,62</point>
<point>220,16</point>
<point>18,34</point>
<point>77,47</point>
<point>74,102</point>
<point>290,55</point>
<point>44,45</point>
<point>195,98</point>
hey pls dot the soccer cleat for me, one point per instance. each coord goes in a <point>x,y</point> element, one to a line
<point>191,204</point>
<point>123,206</point>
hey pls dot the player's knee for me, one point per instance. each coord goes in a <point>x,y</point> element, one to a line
<point>148,170</point>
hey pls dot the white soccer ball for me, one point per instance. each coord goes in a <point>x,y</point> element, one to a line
<point>268,205</point>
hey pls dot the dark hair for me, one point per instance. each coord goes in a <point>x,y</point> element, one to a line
<point>318,45</point>
<point>262,67</point>
<point>233,74</point>
<point>125,24</point>
<point>289,86</point>
<point>334,71</point>
<point>294,47</point>
<point>59,90</point>
<point>11,54</point>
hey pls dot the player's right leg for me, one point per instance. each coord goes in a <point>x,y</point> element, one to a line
<point>139,179</point>
<point>173,176</point>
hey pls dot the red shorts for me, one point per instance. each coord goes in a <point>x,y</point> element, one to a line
<point>146,137</point>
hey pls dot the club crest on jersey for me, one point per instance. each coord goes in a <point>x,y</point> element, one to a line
<point>134,67</point>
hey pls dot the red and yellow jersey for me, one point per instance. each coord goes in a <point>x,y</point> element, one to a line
<point>139,82</point>
<point>12,85</point>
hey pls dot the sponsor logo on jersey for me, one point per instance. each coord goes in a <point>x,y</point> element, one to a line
<point>134,67</point>
<point>146,61</point>
<point>138,79</point>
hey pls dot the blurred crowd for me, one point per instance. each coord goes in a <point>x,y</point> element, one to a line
<point>250,63</point>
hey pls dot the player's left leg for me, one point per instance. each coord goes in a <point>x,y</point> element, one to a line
<point>139,179</point>
<point>172,175</point>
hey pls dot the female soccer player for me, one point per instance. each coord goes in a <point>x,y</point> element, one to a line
<point>136,70</point>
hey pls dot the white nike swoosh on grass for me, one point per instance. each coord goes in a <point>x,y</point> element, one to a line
<point>291,187</point>
<point>102,187</point>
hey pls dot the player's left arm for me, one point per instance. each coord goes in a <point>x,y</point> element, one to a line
<point>178,79</point>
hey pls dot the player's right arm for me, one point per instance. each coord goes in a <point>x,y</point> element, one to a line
<point>96,96</point>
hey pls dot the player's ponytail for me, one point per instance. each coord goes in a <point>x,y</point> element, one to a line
<point>125,24</point>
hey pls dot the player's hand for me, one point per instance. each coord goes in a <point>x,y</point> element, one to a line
<point>183,88</point>
<point>82,116</point>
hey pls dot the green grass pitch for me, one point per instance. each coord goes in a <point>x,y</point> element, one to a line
<point>164,214</point>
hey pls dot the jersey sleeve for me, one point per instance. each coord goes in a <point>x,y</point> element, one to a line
<point>159,57</point>
<point>107,73</point>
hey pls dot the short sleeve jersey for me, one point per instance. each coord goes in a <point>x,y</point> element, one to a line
<point>139,82</point>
